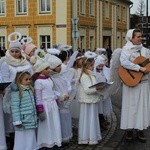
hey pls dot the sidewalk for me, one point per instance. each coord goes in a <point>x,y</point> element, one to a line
<point>108,142</point>
<point>113,138</point>
<point>107,134</point>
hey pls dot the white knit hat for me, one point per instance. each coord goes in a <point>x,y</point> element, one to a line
<point>53,51</point>
<point>15,45</point>
<point>29,47</point>
<point>39,65</point>
<point>53,61</point>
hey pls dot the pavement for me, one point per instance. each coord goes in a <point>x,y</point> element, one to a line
<point>114,137</point>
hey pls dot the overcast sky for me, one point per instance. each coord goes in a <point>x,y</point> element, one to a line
<point>136,4</point>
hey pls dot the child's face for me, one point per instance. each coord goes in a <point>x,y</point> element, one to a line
<point>58,69</point>
<point>46,71</point>
<point>79,62</point>
<point>15,53</point>
<point>32,52</point>
<point>91,66</point>
<point>26,80</point>
<point>100,67</point>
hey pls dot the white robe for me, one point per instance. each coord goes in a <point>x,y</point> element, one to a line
<point>2,129</point>
<point>49,130</point>
<point>89,129</point>
<point>135,112</point>
<point>60,85</point>
<point>105,106</point>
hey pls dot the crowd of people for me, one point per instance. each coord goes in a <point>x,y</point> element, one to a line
<point>48,88</point>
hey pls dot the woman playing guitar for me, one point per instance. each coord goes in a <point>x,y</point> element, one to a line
<point>135,112</point>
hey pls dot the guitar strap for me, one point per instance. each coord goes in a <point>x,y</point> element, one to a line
<point>143,53</point>
<point>144,63</point>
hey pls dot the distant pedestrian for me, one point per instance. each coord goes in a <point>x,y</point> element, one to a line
<point>109,53</point>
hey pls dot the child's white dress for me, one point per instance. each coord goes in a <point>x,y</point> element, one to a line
<point>49,130</point>
<point>75,105</point>
<point>105,106</point>
<point>60,85</point>
<point>89,129</point>
<point>2,129</point>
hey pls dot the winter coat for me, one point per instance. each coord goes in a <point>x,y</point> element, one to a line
<point>24,109</point>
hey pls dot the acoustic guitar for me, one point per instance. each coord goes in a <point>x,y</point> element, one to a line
<point>130,77</point>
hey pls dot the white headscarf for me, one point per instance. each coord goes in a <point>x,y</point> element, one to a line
<point>99,60</point>
<point>129,44</point>
<point>129,35</point>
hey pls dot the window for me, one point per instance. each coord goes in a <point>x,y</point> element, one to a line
<point>92,42</point>
<point>118,13</point>
<point>44,6</point>
<point>2,42</point>
<point>124,14</point>
<point>106,9</point>
<point>92,7</point>
<point>45,41</point>
<point>82,6</point>
<point>21,6</point>
<point>82,42</point>
<point>2,7</point>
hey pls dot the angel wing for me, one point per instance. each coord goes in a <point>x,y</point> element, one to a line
<point>114,77</point>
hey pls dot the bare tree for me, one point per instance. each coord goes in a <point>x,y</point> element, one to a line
<point>141,8</point>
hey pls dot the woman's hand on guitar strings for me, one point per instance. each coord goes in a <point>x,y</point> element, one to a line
<point>144,70</point>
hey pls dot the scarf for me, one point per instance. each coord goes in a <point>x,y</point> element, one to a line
<point>42,77</point>
<point>134,48</point>
<point>25,87</point>
<point>13,61</point>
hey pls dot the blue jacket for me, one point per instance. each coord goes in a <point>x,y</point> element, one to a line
<point>24,109</point>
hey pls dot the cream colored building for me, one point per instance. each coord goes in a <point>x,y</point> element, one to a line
<point>81,23</point>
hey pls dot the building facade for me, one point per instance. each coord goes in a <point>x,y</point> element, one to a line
<point>85,24</point>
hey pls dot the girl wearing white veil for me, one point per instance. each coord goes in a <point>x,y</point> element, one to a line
<point>89,130</point>
<point>75,64</point>
<point>105,106</point>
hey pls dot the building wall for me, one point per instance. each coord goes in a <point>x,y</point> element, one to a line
<point>102,28</point>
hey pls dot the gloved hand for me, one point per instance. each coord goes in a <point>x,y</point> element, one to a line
<point>42,116</point>
<point>19,126</point>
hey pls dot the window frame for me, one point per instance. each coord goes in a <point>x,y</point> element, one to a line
<point>91,42</point>
<point>46,42</point>
<point>82,42</point>
<point>24,10</point>
<point>82,7</point>
<point>3,42</point>
<point>46,5</point>
<point>119,13</point>
<point>3,7</point>
<point>107,10</point>
<point>92,7</point>
<point>124,14</point>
